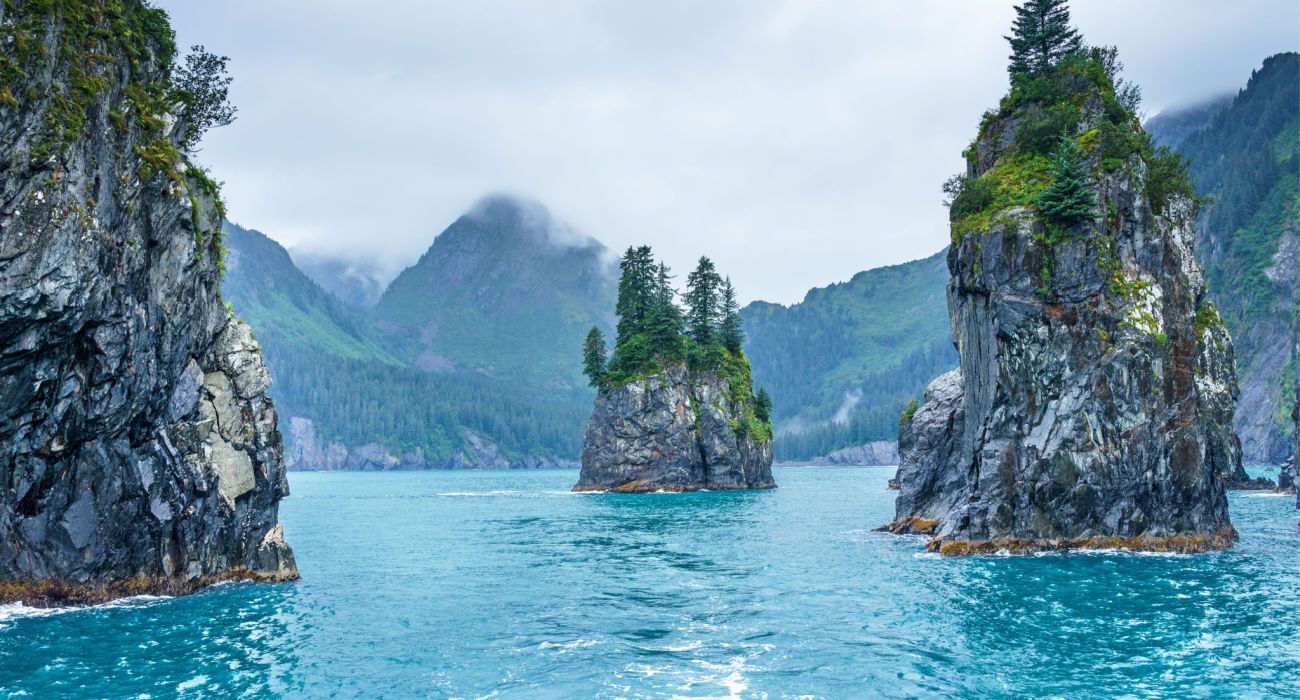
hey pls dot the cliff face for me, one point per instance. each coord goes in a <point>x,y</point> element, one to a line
<point>1094,400</point>
<point>674,431</point>
<point>138,449</point>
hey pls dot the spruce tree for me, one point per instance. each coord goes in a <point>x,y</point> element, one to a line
<point>1041,36</point>
<point>666,325</point>
<point>763,406</point>
<point>1069,199</point>
<point>733,335</point>
<point>635,291</point>
<point>702,304</point>
<point>593,356</point>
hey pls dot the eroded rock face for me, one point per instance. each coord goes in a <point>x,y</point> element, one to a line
<point>1093,406</point>
<point>672,431</point>
<point>138,449</point>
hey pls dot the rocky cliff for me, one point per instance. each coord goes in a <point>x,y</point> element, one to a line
<point>676,430</point>
<point>138,450</point>
<point>1094,399</point>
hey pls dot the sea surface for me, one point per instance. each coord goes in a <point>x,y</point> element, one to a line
<point>504,584</point>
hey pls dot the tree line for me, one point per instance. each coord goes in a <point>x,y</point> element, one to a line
<point>653,331</point>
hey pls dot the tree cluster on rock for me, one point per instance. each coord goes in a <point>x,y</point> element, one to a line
<point>654,331</point>
<point>1094,402</point>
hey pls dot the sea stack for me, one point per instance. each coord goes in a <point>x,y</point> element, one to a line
<point>676,409</point>
<point>1093,404</point>
<point>138,448</point>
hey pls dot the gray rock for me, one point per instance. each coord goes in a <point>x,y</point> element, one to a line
<point>138,448</point>
<point>1093,411</point>
<point>673,431</point>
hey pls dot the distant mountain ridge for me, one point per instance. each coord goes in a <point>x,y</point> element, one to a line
<point>842,363</point>
<point>437,375</point>
<point>507,291</point>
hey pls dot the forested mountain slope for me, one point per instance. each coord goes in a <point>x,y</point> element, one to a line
<point>843,363</point>
<point>1245,159</point>
<point>443,379</point>
<point>506,291</point>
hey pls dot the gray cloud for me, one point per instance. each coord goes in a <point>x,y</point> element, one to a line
<point>795,142</point>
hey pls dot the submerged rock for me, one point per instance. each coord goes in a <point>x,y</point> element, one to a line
<point>1093,406</point>
<point>138,448</point>
<point>676,430</point>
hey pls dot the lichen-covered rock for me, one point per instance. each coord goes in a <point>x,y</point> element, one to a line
<point>676,430</point>
<point>138,449</point>
<point>1093,405</point>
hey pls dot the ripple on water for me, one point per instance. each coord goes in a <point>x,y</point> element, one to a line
<point>507,584</point>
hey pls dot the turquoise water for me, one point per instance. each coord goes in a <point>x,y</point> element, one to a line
<point>503,584</point>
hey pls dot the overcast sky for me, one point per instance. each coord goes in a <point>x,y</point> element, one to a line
<point>796,143</point>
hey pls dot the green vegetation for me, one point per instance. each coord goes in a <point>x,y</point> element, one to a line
<point>92,36</point>
<point>1070,199</point>
<point>1244,157</point>
<point>844,362</point>
<point>1067,120</point>
<point>1041,36</point>
<point>593,356</point>
<point>909,412</point>
<point>329,367</point>
<point>655,333</point>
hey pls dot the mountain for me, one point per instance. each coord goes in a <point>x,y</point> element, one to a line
<point>292,315</point>
<point>1172,127</point>
<point>356,283</point>
<point>506,291</point>
<point>438,375</point>
<point>843,363</point>
<point>1245,159</point>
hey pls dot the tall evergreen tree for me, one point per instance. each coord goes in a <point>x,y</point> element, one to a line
<point>763,406</point>
<point>636,286</point>
<point>702,304</point>
<point>1041,36</point>
<point>593,356</point>
<point>1069,199</point>
<point>733,335</point>
<point>666,325</point>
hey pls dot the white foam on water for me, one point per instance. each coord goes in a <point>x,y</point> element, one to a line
<point>567,647</point>
<point>19,610</point>
<point>191,684</point>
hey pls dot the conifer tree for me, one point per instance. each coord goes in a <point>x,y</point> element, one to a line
<point>733,335</point>
<point>666,325</point>
<point>763,406</point>
<point>636,285</point>
<point>1069,199</point>
<point>702,304</point>
<point>1041,36</point>
<point>593,356</point>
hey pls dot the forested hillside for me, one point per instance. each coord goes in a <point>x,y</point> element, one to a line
<point>443,378</point>
<point>1245,160</point>
<point>505,291</point>
<point>843,363</point>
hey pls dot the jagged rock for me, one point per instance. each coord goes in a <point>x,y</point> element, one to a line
<point>873,454</point>
<point>673,431</point>
<point>138,449</point>
<point>1093,406</point>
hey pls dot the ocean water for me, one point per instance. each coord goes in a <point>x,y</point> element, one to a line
<point>503,584</point>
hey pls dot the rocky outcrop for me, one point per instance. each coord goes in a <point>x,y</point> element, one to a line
<point>1093,406</point>
<point>877,453</point>
<point>675,431</point>
<point>138,448</point>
